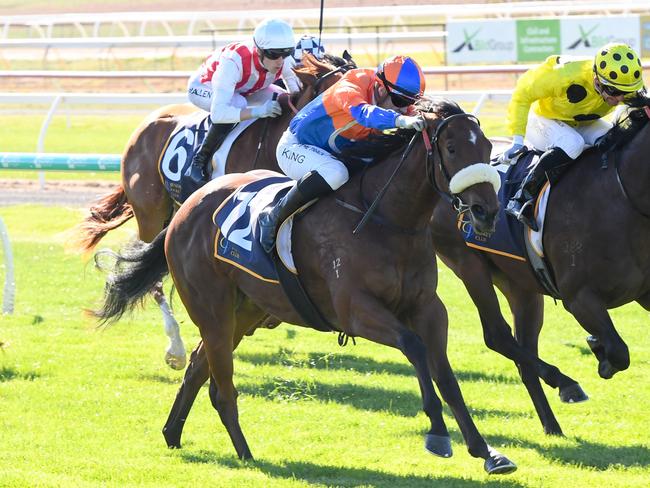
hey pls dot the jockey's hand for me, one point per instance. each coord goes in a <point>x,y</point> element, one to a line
<point>407,122</point>
<point>271,108</point>
<point>509,156</point>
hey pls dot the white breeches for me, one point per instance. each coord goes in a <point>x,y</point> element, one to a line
<point>296,160</point>
<point>200,94</point>
<point>545,133</point>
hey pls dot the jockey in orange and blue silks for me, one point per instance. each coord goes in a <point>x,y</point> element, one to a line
<point>235,83</point>
<point>363,102</point>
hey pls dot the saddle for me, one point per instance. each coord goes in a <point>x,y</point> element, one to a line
<point>185,140</point>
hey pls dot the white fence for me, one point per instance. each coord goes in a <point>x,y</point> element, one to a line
<point>56,100</point>
<point>342,19</point>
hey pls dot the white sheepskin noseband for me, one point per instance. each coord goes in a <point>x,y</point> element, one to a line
<point>473,174</point>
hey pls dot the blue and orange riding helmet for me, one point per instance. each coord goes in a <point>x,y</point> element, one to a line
<point>403,78</point>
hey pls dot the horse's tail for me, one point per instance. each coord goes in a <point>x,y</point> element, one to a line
<point>136,270</point>
<point>106,214</point>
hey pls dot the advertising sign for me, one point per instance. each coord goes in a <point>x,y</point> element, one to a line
<point>537,39</point>
<point>645,36</point>
<point>581,36</point>
<point>481,42</point>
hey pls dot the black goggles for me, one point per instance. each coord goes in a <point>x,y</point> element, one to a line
<point>612,91</point>
<point>274,54</point>
<point>399,100</point>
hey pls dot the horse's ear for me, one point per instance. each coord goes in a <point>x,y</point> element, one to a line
<point>305,77</point>
<point>348,57</point>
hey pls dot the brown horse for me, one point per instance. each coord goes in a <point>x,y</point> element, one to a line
<point>384,289</point>
<point>596,238</point>
<point>143,195</point>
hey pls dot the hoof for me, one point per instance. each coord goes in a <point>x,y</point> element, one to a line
<point>606,370</point>
<point>173,441</point>
<point>438,445</point>
<point>497,463</point>
<point>573,394</point>
<point>174,361</point>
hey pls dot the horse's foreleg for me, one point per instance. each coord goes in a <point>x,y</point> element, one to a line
<point>372,321</point>
<point>431,324</point>
<point>528,312</point>
<point>610,350</point>
<point>175,355</point>
<point>496,332</point>
<point>196,375</point>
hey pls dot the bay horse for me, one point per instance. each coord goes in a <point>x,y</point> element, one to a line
<point>383,290</point>
<point>596,236</point>
<point>142,194</point>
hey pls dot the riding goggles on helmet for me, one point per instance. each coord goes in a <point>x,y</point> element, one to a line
<point>401,101</point>
<point>399,98</point>
<point>613,91</point>
<point>274,54</point>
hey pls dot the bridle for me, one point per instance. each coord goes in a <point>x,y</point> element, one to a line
<point>469,173</point>
<point>451,196</point>
<point>341,69</point>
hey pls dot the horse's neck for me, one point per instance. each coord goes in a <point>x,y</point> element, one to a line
<point>634,168</point>
<point>410,198</point>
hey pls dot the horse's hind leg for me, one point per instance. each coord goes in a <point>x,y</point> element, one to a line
<point>198,372</point>
<point>196,375</point>
<point>431,324</point>
<point>175,355</point>
<point>215,316</point>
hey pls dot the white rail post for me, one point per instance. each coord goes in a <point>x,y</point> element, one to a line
<point>40,145</point>
<point>10,283</point>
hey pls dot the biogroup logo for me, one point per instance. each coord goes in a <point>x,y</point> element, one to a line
<point>487,41</point>
<point>584,36</point>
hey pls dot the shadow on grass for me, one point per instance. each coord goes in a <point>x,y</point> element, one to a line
<point>405,404</point>
<point>585,453</point>
<point>161,378</point>
<point>364,365</point>
<point>8,374</point>
<point>343,476</point>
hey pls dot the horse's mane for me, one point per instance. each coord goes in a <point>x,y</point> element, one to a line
<point>442,107</point>
<point>626,126</point>
<point>379,147</point>
<point>310,65</point>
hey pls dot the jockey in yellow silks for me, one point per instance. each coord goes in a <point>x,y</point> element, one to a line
<point>558,106</point>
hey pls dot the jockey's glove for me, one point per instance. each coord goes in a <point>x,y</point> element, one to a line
<point>271,108</point>
<point>509,156</point>
<point>407,122</point>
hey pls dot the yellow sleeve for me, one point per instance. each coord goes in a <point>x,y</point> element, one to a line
<point>540,82</point>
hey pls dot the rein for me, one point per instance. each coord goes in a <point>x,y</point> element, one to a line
<point>340,69</point>
<point>454,199</point>
<point>619,180</point>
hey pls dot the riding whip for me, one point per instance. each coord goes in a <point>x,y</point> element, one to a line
<point>370,210</point>
<point>263,135</point>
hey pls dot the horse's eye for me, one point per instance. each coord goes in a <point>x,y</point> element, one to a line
<point>450,149</point>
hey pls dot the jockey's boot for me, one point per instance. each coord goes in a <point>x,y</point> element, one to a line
<point>522,206</point>
<point>310,186</point>
<point>199,172</point>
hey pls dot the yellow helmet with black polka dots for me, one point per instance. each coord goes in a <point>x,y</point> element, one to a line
<point>618,66</point>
